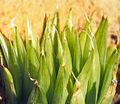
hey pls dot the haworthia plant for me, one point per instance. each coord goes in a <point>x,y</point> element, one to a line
<point>62,67</point>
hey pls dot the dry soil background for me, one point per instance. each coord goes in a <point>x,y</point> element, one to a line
<point>17,10</point>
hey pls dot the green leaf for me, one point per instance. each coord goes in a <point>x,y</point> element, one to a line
<point>54,27</point>
<point>21,59</point>
<point>64,72</point>
<point>19,48</point>
<point>4,47</point>
<point>108,75</point>
<point>59,50</point>
<point>11,97</point>
<point>77,97</point>
<point>77,56</point>
<point>49,55</point>
<point>30,34</point>
<point>37,96</point>
<point>15,70</point>
<point>108,98</point>
<point>83,78</point>
<point>70,34</point>
<point>45,74</point>
<point>11,59</point>
<point>75,49</point>
<point>82,87</point>
<point>101,38</point>
<point>55,30</point>
<point>86,43</point>
<point>73,44</point>
<point>2,58</point>
<point>70,87</point>
<point>27,83</point>
<point>94,80</point>
<point>69,23</point>
<point>44,28</point>
<point>83,37</point>
<point>34,62</point>
<point>110,51</point>
<point>118,48</point>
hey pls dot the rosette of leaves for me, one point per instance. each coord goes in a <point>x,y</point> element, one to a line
<point>62,67</point>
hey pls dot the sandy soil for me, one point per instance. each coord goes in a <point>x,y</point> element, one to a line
<point>19,10</point>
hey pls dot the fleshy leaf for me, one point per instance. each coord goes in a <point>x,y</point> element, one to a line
<point>11,97</point>
<point>37,96</point>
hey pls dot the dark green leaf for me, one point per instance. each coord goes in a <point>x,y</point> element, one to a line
<point>37,96</point>
<point>11,97</point>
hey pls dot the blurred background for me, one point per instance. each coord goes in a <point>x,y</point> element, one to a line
<point>16,12</point>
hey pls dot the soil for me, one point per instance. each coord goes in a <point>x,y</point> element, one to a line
<point>16,11</point>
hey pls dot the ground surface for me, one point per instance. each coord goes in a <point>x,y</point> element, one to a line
<point>18,10</point>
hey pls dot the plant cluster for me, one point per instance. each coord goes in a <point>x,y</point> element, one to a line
<point>62,67</point>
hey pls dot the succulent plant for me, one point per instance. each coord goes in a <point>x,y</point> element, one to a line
<point>62,67</point>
